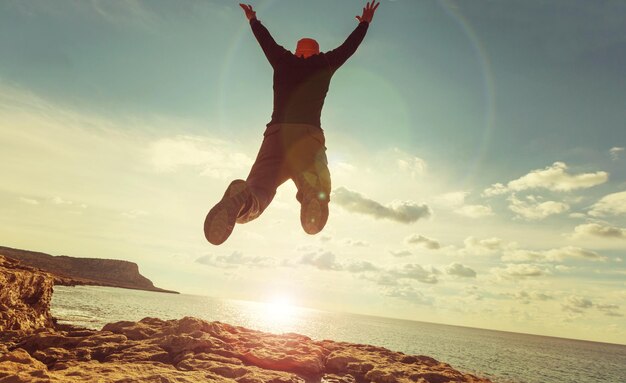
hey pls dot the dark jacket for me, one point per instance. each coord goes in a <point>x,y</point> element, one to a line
<point>300,85</point>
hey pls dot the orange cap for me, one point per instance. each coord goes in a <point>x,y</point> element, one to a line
<point>307,47</point>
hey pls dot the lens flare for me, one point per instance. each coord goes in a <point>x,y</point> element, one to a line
<point>279,309</point>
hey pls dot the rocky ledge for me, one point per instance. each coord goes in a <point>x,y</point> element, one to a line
<point>25,294</point>
<point>193,350</point>
<point>34,349</point>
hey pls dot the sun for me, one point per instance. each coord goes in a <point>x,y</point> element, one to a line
<point>280,308</point>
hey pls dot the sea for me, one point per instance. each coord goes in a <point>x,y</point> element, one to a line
<point>503,357</point>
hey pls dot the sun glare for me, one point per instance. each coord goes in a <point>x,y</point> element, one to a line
<point>279,308</point>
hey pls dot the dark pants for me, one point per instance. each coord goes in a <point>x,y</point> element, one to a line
<point>288,151</point>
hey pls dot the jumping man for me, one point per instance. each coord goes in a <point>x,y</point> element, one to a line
<point>293,144</point>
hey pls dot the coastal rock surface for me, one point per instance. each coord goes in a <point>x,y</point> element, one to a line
<point>193,350</point>
<point>71,271</point>
<point>35,349</point>
<point>25,295</point>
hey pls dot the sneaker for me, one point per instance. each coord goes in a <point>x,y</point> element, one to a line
<point>220,221</point>
<point>314,206</point>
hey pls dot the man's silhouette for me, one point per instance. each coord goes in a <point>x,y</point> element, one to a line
<point>293,143</point>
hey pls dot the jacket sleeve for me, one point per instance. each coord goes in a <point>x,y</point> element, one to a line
<point>339,55</point>
<point>272,51</point>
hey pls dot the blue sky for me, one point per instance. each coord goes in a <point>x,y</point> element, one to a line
<point>121,122</point>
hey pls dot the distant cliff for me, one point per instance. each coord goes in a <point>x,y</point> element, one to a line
<point>72,271</point>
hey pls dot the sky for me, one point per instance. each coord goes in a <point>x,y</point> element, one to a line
<point>477,153</point>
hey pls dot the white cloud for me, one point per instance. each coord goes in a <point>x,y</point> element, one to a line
<point>612,204</point>
<point>212,157</point>
<point>473,293</point>
<point>613,314</point>
<point>409,294</point>
<point>553,177</point>
<point>408,272</point>
<point>488,246</point>
<point>360,267</point>
<point>533,209</point>
<point>598,230</point>
<point>383,276</point>
<point>616,152</point>
<point>61,201</point>
<point>323,261</point>
<point>327,261</point>
<point>355,242</point>
<point>452,199</point>
<point>420,240</point>
<point>400,253</point>
<point>607,307</point>
<point>456,202</point>
<point>415,272</point>
<point>495,189</point>
<point>234,260</point>
<point>520,270</point>
<point>577,215</point>
<point>325,238</point>
<point>385,279</point>
<point>29,201</point>
<point>563,268</point>
<point>475,211</point>
<point>415,166</point>
<point>527,296</point>
<point>576,304</point>
<point>403,212</point>
<point>609,310</point>
<point>205,260</point>
<point>460,271</point>
<point>552,255</point>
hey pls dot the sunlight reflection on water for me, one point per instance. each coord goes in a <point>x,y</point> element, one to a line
<point>276,317</point>
<point>504,357</point>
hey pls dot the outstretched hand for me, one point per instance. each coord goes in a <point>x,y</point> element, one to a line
<point>250,13</point>
<point>368,12</point>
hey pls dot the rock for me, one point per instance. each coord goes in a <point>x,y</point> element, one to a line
<point>139,352</point>
<point>32,349</point>
<point>191,349</point>
<point>18,366</point>
<point>382,375</point>
<point>130,373</point>
<point>52,355</point>
<point>25,295</point>
<point>332,378</point>
<point>132,330</point>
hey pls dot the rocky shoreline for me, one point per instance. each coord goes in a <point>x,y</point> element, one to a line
<point>35,349</point>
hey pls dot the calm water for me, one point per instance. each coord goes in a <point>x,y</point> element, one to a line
<point>503,357</point>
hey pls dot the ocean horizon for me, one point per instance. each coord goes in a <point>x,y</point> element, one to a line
<point>504,357</point>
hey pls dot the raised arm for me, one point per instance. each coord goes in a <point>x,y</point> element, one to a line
<point>337,57</point>
<point>272,51</point>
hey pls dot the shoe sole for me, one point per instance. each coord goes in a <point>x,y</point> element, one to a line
<point>311,216</point>
<point>221,219</point>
